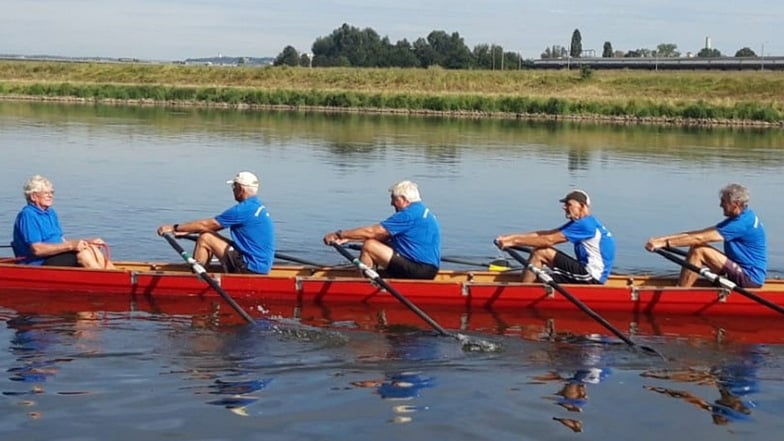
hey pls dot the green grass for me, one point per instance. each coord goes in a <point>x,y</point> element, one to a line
<point>685,96</point>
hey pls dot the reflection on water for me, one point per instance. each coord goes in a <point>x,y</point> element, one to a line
<point>36,343</point>
<point>736,382</point>
<point>400,386</point>
<point>585,362</point>
<point>142,376</point>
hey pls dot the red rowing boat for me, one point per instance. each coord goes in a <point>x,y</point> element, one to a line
<point>482,301</point>
<point>464,289</point>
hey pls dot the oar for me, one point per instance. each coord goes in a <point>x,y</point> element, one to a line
<point>202,274</point>
<point>548,280</point>
<point>279,256</point>
<point>376,278</point>
<point>669,254</point>
<point>497,265</point>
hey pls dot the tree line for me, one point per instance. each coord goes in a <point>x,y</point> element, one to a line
<point>349,46</point>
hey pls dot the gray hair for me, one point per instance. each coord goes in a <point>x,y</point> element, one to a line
<point>35,184</point>
<point>407,189</point>
<point>735,193</point>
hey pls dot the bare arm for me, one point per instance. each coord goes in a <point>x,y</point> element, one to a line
<point>375,231</point>
<point>42,249</point>
<point>196,226</point>
<point>685,239</point>
<point>537,239</point>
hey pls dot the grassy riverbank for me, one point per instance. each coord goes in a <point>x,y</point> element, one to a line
<point>686,97</point>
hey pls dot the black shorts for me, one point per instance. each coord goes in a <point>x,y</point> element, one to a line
<point>401,268</point>
<point>67,258</point>
<point>568,270</point>
<point>234,263</point>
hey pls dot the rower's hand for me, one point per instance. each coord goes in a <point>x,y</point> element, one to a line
<point>78,245</point>
<point>163,229</point>
<point>654,244</point>
<point>502,242</point>
<point>332,238</point>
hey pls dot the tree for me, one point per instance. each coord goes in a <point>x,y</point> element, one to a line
<point>556,51</point>
<point>450,50</point>
<point>288,57</point>
<point>708,53</point>
<point>607,51</point>
<point>360,48</point>
<point>402,55</point>
<point>576,47</point>
<point>482,56</point>
<point>745,52</point>
<point>668,50</point>
<point>425,54</point>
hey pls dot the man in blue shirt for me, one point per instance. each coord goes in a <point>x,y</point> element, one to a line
<point>745,257</point>
<point>594,245</point>
<point>251,248</point>
<point>407,244</point>
<point>38,236</point>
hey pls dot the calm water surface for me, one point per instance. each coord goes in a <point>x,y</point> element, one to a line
<point>119,173</point>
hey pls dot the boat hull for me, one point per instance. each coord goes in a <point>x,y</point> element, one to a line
<point>456,289</point>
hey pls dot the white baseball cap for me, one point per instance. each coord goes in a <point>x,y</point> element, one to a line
<point>246,179</point>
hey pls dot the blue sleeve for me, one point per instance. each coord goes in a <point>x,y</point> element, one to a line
<point>397,223</point>
<point>733,228</point>
<point>232,216</point>
<point>576,231</point>
<point>28,229</point>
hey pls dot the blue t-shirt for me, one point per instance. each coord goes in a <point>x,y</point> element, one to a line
<point>416,234</point>
<point>34,225</point>
<point>253,233</point>
<point>594,245</point>
<point>745,244</point>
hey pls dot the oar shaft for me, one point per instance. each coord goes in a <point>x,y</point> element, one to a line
<point>373,275</point>
<point>722,281</point>
<point>201,272</point>
<point>547,279</point>
<point>290,258</point>
<point>279,256</point>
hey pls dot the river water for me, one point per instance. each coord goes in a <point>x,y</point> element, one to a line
<point>120,172</point>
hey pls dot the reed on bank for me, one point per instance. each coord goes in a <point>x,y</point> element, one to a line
<point>728,97</point>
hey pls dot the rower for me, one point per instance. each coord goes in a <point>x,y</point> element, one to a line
<point>594,245</point>
<point>744,260</point>
<point>407,244</point>
<point>251,248</point>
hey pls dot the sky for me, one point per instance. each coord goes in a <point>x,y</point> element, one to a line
<point>180,29</point>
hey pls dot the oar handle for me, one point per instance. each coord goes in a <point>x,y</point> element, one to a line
<point>201,272</point>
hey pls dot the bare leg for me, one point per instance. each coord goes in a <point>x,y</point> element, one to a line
<point>209,245</point>
<point>375,253</point>
<point>88,258</point>
<point>539,258</point>
<point>92,257</point>
<point>701,256</point>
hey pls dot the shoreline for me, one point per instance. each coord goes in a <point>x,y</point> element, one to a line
<point>463,114</point>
